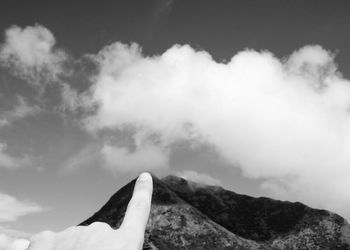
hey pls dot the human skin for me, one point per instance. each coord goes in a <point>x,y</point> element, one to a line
<point>100,236</point>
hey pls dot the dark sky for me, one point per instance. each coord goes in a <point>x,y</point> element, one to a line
<point>220,27</point>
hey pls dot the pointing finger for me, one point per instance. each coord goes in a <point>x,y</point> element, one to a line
<point>137,213</point>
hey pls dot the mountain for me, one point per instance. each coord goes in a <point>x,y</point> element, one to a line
<point>188,215</point>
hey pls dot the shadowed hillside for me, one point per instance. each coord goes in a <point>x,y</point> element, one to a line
<point>188,215</point>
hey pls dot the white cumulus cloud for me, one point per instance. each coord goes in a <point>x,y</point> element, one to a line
<point>285,121</point>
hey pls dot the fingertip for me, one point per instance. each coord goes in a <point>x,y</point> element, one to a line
<point>138,210</point>
<point>145,177</point>
<point>143,188</point>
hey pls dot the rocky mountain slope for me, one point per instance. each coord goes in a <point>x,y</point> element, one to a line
<point>188,215</point>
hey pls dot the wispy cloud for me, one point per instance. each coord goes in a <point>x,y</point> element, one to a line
<point>20,110</point>
<point>146,158</point>
<point>200,178</point>
<point>11,162</point>
<point>31,54</point>
<point>11,208</point>
<point>163,8</point>
<point>87,156</point>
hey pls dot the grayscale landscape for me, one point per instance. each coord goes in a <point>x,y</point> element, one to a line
<point>234,113</point>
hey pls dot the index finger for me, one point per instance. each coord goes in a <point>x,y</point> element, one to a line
<point>137,213</point>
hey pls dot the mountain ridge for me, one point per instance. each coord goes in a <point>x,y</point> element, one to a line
<point>188,215</point>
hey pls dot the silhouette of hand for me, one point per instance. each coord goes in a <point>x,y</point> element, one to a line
<point>100,236</point>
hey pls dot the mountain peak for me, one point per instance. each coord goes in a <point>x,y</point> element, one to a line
<point>189,215</point>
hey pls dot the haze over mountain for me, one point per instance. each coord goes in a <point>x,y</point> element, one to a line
<point>189,215</point>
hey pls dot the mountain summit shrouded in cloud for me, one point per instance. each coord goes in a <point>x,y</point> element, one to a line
<point>284,121</point>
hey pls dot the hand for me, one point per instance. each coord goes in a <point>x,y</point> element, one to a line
<point>100,236</point>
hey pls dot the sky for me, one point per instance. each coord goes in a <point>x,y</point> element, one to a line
<point>250,95</point>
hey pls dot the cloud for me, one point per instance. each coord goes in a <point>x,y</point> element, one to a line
<point>200,178</point>
<point>87,156</point>
<point>147,158</point>
<point>11,208</point>
<point>9,243</point>
<point>284,121</point>
<point>20,110</point>
<point>31,54</point>
<point>11,162</point>
<point>11,239</point>
<point>160,13</point>
<point>119,158</point>
<point>163,7</point>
